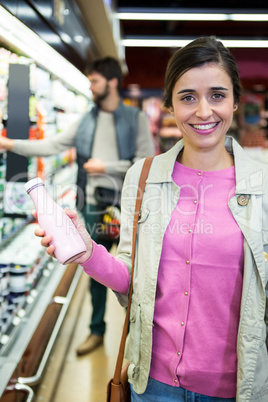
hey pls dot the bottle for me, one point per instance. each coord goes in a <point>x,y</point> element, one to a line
<point>67,241</point>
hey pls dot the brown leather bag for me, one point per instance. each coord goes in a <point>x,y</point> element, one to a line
<point>118,389</point>
<point>119,392</point>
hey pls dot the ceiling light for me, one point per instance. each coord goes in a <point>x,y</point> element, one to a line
<point>65,37</point>
<point>78,38</point>
<point>245,43</point>
<point>248,17</point>
<point>15,33</point>
<point>49,37</point>
<point>171,17</point>
<point>239,43</point>
<point>191,17</point>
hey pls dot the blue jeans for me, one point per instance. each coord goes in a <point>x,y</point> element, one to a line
<point>159,392</point>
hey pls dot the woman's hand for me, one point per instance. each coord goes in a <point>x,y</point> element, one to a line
<point>46,238</point>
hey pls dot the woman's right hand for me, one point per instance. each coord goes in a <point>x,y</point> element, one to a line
<point>46,238</point>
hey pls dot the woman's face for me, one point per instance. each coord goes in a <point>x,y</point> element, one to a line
<point>203,106</point>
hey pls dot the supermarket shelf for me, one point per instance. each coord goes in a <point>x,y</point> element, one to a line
<point>12,356</point>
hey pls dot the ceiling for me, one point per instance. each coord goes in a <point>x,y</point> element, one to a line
<point>173,29</point>
<point>147,65</point>
<point>144,66</point>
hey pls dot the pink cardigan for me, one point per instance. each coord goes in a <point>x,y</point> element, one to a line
<point>199,286</point>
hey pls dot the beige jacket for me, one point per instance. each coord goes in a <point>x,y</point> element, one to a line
<point>160,198</point>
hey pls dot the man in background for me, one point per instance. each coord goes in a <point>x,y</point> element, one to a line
<point>108,139</point>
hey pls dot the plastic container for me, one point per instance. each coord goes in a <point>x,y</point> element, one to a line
<point>4,277</point>
<point>18,277</point>
<point>67,241</point>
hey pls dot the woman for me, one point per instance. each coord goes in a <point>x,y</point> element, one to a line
<point>198,313</point>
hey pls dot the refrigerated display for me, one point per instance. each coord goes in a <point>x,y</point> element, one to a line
<point>35,290</point>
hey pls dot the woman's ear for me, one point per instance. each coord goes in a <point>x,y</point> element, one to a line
<point>171,110</point>
<point>235,107</point>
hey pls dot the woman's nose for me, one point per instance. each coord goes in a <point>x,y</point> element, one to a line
<point>203,109</point>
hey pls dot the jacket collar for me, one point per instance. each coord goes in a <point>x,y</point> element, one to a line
<point>249,173</point>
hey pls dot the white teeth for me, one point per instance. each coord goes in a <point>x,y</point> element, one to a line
<point>204,126</point>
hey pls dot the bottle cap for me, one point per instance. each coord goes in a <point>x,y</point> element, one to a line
<point>33,183</point>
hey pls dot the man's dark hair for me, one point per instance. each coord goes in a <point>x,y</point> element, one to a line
<point>108,67</point>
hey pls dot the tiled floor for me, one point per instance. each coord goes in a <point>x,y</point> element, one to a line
<point>83,379</point>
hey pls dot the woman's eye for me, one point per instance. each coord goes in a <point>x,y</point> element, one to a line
<point>188,98</point>
<point>218,96</point>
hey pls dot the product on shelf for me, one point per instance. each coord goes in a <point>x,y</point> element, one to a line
<point>25,267</point>
<point>23,263</point>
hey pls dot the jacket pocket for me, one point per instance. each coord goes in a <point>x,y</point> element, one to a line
<point>134,341</point>
<point>135,323</point>
<point>260,383</point>
<point>144,214</point>
<point>265,237</point>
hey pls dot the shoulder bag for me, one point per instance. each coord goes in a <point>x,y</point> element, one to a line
<point>118,389</point>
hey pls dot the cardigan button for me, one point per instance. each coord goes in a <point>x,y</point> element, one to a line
<point>242,200</point>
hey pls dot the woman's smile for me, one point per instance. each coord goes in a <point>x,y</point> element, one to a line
<point>204,129</point>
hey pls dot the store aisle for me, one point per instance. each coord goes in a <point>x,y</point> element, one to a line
<point>82,379</point>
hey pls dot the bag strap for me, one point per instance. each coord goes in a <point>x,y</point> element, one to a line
<point>140,191</point>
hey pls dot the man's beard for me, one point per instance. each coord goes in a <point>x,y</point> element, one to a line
<point>101,97</point>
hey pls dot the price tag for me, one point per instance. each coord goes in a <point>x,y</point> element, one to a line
<point>29,299</point>
<point>21,313</point>
<point>50,266</point>
<point>16,320</point>
<point>34,293</point>
<point>4,339</point>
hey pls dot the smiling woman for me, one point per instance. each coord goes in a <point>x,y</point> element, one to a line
<point>198,309</point>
